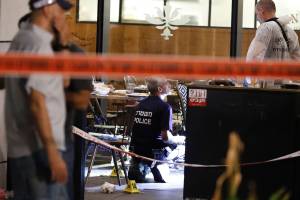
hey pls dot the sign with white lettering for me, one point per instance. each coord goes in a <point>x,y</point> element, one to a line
<point>197,97</point>
<point>143,117</point>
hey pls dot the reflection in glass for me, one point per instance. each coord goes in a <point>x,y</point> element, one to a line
<point>197,10</point>
<point>221,13</point>
<point>135,10</point>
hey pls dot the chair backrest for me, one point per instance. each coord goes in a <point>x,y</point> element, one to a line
<point>130,82</point>
<point>129,120</point>
<point>182,92</point>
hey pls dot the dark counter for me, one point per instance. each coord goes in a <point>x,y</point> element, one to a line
<point>268,123</point>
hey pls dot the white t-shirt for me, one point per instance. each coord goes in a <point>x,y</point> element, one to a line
<point>269,43</point>
<point>21,130</point>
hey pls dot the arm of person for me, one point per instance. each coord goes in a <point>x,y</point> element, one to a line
<point>259,45</point>
<point>40,113</point>
<point>79,100</point>
<point>171,139</point>
<point>256,51</point>
<point>37,86</point>
<point>166,125</point>
<point>295,53</point>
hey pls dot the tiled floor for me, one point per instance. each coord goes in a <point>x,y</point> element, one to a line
<point>173,190</point>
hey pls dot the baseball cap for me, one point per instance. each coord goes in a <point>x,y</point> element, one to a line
<point>36,4</point>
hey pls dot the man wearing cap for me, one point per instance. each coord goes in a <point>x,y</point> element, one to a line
<point>35,112</point>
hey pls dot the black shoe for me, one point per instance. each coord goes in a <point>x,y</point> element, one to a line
<point>160,181</point>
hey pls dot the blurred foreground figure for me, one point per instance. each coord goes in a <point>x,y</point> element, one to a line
<point>151,135</point>
<point>77,100</point>
<point>233,171</point>
<point>35,112</point>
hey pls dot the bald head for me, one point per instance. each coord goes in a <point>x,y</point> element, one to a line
<point>267,5</point>
<point>265,9</point>
<point>157,85</point>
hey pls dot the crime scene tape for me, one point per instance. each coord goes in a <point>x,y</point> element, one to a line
<point>91,138</point>
<point>3,162</point>
<point>144,65</point>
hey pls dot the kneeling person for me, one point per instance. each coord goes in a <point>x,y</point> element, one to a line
<point>150,133</point>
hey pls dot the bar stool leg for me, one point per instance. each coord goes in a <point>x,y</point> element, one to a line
<point>116,165</point>
<point>91,164</point>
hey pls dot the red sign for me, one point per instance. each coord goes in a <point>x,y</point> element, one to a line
<point>197,97</point>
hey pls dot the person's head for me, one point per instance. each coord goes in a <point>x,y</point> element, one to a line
<point>49,14</point>
<point>265,9</point>
<point>158,86</point>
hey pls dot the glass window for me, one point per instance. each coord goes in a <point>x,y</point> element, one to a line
<point>197,10</point>
<point>88,10</point>
<point>114,10</point>
<point>135,10</point>
<point>248,13</point>
<point>221,13</point>
<point>289,7</point>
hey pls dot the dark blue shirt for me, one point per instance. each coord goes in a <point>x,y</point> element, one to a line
<point>152,116</point>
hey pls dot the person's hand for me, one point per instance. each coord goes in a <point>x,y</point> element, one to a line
<point>57,166</point>
<point>180,140</point>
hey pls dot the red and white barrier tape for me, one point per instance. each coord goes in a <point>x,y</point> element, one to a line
<point>144,65</point>
<point>91,138</point>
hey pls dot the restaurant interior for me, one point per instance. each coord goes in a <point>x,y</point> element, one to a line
<point>267,119</point>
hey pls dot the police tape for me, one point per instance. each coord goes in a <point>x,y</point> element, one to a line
<point>3,162</point>
<point>145,65</point>
<point>91,138</point>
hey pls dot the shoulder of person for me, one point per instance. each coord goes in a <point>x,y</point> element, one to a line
<point>267,26</point>
<point>26,40</point>
<point>165,105</point>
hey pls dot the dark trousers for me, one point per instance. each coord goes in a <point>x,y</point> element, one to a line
<point>139,169</point>
<point>30,179</point>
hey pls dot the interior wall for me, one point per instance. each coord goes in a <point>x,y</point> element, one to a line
<point>83,34</point>
<point>196,41</point>
<point>146,39</point>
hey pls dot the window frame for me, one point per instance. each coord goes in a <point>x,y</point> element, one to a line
<point>143,22</point>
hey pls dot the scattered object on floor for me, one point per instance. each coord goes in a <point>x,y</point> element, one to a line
<point>131,187</point>
<point>114,173</point>
<point>107,188</point>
